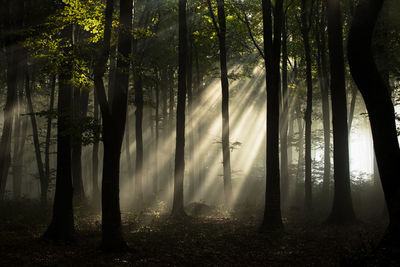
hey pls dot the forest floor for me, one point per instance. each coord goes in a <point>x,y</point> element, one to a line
<point>156,240</point>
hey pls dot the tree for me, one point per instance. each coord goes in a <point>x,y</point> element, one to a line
<point>13,22</point>
<point>114,117</point>
<point>62,224</point>
<point>380,110</point>
<point>220,28</point>
<point>272,50</point>
<point>305,29</point>
<point>44,179</point>
<point>324,86</point>
<point>177,206</point>
<point>342,209</point>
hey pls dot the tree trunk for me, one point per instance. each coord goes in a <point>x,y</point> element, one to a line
<point>44,181</point>
<point>284,118</point>
<point>79,194</point>
<point>189,90</point>
<point>352,107</point>
<point>18,140</point>
<point>305,28</point>
<point>324,86</point>
<point>342,209</point>
<point>177,206</point>
<point>128,145</point>
<point>139,141</point>
<point>113,133</point>
<point>5,142</point>
<point>62,224</point>
<point>48,131</point>
<point>95,157</point>
<point>272,49</point>
<point>114,119</point>
<point>380,110</point>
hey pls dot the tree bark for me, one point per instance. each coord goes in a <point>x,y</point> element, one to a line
<point>272,50</point>
<point>324,87</point>
<point>20,126</point>
<point>305,29</point>
<point>179,172</point>
<point>284,117</point>
<point>95,157</point>
<point>44,181</point>
<point>342,209</point>
<point>114,119</point>
<point>48,131</point>
<point>380,110</point>
<point>5,142</point>
<point>62,224</point>
<point>139,141</point>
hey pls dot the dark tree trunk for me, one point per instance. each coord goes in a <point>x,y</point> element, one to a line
<point>220,28</point>
<point>342,209</point>
<point>272,50</point>
<point>139,141</point>
<point>20,131</point>
<point>95,157</point>
<point>76,153</point>
<point>324,86</point>
<point>177,206</point>
<point>5,142</point>
<point>189,90</point>
<point>156,177</point>
<point>48,131</point>
<point>165,133</point>
<point>44,181</point>
<point>114,119</point>
<point>284,117</point>
<point>113,133</point>
<point>226,156</point>
<point>305,29</point>
<point>380,110</point>
<point>128,144</point>
<point>352,107</point>
<point>300,158</point>
<point>62,224</point>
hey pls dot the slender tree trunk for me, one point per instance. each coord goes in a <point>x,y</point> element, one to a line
<point>44,182</point>
<point>189,90</point>
<point>342,209</point>
<point>284,118</point>
<point>113,133</point>
<point>380,110</point>
<point>272,50</point>
<point>62,224</point>
<point>164,120</point>
<point>5,142</point>
<point>48,131</point>
<point>76,152</point>
<point>324,86</point>
<point>139,141</point>
<point>220,28</point>
<point>226,156</point>
<point>300,158</point>
<point>177,206</point>
<point>114,119</point>
<point>352,107</point>
<point>171,130</point>
<point>156,178</point>
<point>17,160</point>
<point>305,28</point>
<point>95,156</point>
<point>128,145</point>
